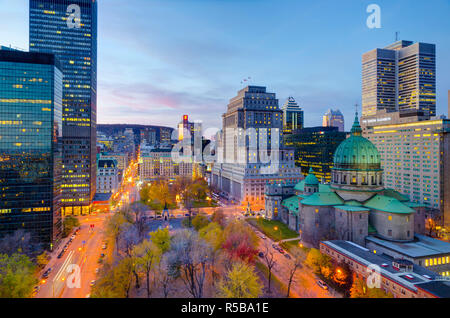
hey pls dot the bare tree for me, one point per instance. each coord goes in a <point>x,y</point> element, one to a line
<point>189,259</point>
<point>269,260</point>
<point>163,276</point>
<point>298,258</point>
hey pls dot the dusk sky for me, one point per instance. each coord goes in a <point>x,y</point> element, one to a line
<point>158,60</point>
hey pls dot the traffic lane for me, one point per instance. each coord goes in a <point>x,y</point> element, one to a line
<point>46,289</point>
<point>87,261</point>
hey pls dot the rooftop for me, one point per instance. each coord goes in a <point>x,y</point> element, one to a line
<point>388,204</point>
<point>422,246</point>
<point>365,257</point>
<point>323,199</point>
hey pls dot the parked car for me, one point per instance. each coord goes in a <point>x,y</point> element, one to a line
<point>92,283</point>
<point>35,290</point>
<point>322,284</point>
<point>287,256</point>
<point>281,250</point>
<point>47,273</point>
<point>104,247</point>
<point>72,237</point>
<point>102,255</point>
<point>97,270</point>
<point>61,254</point>
<point>261,254</point>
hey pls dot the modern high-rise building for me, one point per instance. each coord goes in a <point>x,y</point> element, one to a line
<point>400,77</point>
<point>415,156</point>
<point>314,148</point>
<point>334,118</point>
<point>55,27</point>
<point>293,117</point>
<point>30,145</point>
<point>250,153</point>
<point>193,128</point>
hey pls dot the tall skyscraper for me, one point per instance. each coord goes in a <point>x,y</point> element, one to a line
<point>333,118</point>
<point>74,42</point>
<point>293,117</point>
<point>314,148</point>
<point>251,151</point>
<point>30,144</point>
<point>400,77</point>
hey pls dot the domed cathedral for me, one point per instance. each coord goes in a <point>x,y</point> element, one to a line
<point>356,172</point>
<point>354,206</point>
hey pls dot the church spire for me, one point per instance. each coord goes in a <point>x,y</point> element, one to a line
<point>356,128</point>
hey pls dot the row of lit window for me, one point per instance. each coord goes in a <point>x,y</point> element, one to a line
<point>437,261</point>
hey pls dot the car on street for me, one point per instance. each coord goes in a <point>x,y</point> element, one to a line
<point>61,254</point>
<point>102,255</point>
<point>261,254</point>
<point>92,283</point>
<point>158,216</point>
<point>72,237</point>
<point>187,214</point>
<point>97,270</point>
<point>35,290</point>
<point>281,250</point>
<point>287,256</point>
<point>47,273</point>
<point>104,247</point>
<point>322,284</point>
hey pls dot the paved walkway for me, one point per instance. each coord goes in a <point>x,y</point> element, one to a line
<point>291,239</point>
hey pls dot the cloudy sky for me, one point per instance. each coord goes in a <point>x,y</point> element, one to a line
<point>160,59</point>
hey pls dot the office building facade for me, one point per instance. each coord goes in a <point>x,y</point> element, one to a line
<point>314,148</point>
<point>53,30</point>
<point>400,77</point>
<point>293,116</point>
<point>250,152</point>
<point>30,145</point>
<point>415,156</point>
<point>334,118</point>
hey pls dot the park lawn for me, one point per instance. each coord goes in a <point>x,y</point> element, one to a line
<point>267,227</point>
<point>292,245</point>
<point>204,204</point>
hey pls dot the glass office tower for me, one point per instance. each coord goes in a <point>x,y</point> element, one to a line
<point>400,77</point>
<point>292,116</point>
<point>314,148</point>
<point>54,30</point>
<point>30,144</point>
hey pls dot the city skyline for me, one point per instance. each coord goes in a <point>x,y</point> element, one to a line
<point>164,73</point>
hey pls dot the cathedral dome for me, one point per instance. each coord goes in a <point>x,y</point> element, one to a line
<point>357,152</point>
<point>311,179</point>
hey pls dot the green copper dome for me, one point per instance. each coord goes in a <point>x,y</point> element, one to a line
<point>311,179</point>
<point>357,152</point>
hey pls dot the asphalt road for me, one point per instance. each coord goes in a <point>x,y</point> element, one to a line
<point>78,263</point>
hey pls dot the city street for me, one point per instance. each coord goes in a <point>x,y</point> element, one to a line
<point>84,251</point>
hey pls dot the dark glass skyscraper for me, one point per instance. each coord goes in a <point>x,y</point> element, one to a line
<point>30,144</point>
<point>56,27</point>
<point>314,148</point>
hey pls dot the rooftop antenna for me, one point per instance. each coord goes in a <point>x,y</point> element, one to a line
<point>396,36</point>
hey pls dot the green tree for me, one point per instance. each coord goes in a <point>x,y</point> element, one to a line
<point>146,255</point>
<point>213,234</point>
<point>117,281</point>
<point>161,238</point>
<point>359,289</point>
<point>199,222</point>
<point>42,259</point>
<point>69,223</point>
<point>114,226</point>
<point>16,276</point>
<point>157,195</point>
<point>318,262</point>
<point>240,282</point>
